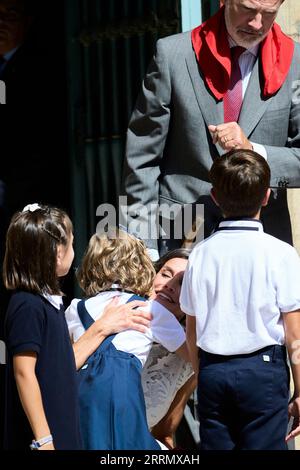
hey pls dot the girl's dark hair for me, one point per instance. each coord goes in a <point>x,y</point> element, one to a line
<point>31,249</point>
<point>177,253</point>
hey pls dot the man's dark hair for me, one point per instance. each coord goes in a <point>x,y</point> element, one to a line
<point>240,180</point>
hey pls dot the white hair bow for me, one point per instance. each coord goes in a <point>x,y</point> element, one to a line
<point>31,207</point>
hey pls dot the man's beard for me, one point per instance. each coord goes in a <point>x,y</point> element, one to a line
<point>248,39</point>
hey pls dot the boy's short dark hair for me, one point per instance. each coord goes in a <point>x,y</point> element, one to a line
<point>240,180</point>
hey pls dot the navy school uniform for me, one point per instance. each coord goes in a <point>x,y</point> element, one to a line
<point>112,404</point>
<point>34,324</point>
<point>243,400</point>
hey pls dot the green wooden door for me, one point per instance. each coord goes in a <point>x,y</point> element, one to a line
<point>109,44</point>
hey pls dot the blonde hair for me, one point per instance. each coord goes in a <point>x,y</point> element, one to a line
<point>116,258</point>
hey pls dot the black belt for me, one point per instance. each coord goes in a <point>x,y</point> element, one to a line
<point>276,351</point>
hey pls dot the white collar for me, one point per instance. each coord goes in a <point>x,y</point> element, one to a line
<point>243,223</point>
<point>55,300</point>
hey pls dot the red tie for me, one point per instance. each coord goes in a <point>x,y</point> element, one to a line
<point>233,98</point>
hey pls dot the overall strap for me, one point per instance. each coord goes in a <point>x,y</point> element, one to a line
<point>84,316</point>
<point>136,297</point>
<point>87,321</point>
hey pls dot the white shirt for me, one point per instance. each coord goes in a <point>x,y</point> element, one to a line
<point>165,328</point>
<point>246,62</point>
<point>237,283</point>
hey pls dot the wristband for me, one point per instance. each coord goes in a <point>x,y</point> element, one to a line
<point>35,445</point>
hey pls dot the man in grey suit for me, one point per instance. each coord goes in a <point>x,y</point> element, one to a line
<point>178,128</point>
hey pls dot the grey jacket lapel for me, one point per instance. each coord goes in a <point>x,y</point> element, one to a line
<point>211,109</point>
<point>253,106</point>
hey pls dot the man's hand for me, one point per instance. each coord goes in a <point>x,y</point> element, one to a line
<point>294,412</point>
<point>230,136</point>
<point>118,318</point>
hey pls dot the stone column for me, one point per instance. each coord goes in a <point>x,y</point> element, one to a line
<point>289,20</point>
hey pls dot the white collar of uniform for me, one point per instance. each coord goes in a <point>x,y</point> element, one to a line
<point>252,50</point>
<point>118,288</point>
<point>55,300</point>
<point>243,223</point>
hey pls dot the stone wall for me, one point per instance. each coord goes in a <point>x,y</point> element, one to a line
<point>289,20</point>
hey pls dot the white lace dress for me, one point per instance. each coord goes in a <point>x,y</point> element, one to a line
<point>163,375</point>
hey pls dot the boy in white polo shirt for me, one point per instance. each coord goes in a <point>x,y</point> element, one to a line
<point>241,294</point>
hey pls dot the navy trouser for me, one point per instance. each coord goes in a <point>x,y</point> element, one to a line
<point>243,400</point>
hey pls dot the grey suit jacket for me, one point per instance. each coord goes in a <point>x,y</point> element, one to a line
<point>169,148</point>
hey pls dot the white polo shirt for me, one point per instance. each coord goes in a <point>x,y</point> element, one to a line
<point>237,283</point>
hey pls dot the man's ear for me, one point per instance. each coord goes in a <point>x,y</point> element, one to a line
<point>266,198</point>
<point>213,196</point>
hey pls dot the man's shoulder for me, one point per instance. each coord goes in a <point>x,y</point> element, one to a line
<point>296,57</point>
<point>176,40</point>
<point>297,49</point>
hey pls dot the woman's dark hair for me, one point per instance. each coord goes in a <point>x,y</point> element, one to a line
<point>31,249</point>
<point>177,253</point>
